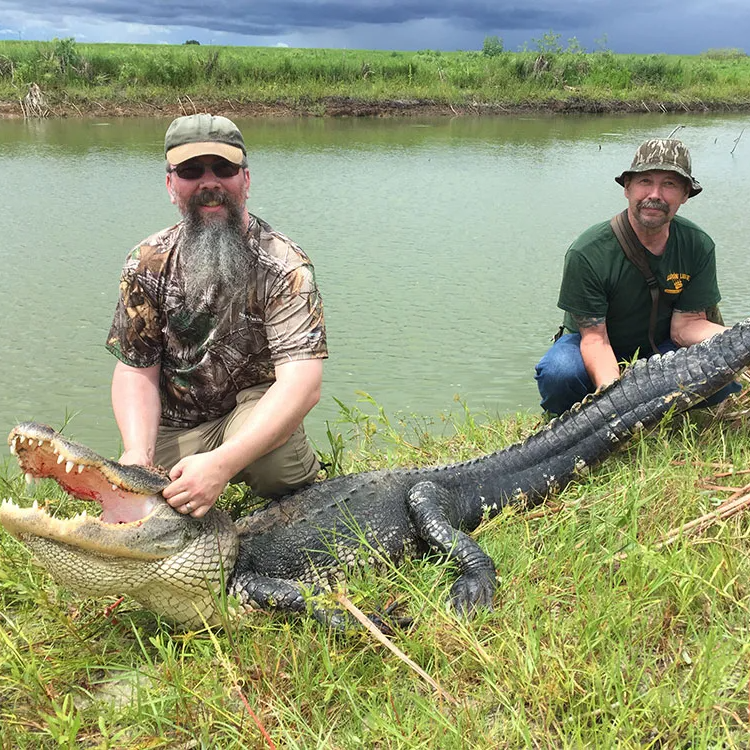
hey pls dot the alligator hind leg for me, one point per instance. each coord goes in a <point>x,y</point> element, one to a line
<point>429,506</point>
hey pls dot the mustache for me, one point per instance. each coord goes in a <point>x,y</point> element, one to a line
<point>206,196</point>
<point>655,204</point>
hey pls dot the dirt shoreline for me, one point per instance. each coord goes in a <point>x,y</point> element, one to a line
<point>350,107</point>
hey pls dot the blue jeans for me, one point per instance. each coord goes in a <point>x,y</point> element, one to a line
<point>562,379</point>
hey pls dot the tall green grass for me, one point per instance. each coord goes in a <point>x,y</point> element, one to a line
<point>69,71</point>
<point>598,637</point>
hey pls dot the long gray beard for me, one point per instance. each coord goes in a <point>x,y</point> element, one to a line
<point>215,256</point>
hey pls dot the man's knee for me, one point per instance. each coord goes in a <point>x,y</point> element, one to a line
<point>284,469</point>
<point>562,363</point>
<point>561,376</point>
<point>174,443</point>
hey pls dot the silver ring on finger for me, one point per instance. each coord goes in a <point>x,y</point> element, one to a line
<point>188,506</point>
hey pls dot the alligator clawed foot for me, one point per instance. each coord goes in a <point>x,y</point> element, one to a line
<point>387,622</point>
<point>473,591</point>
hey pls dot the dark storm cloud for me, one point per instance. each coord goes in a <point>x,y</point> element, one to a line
<point>677,26</point>
<point>278,17</point>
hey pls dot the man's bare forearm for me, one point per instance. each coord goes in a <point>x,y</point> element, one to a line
<point>691,328</point>
<point>137,408</point>
<point>597,354</point>
<point>276,416</point>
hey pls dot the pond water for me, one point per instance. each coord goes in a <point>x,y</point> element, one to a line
<point>438,246</point>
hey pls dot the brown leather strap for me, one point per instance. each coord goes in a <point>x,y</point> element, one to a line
<point>636,254</point>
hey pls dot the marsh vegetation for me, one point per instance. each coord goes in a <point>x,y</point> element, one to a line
<point>607,632</point>
<point>99,78</point>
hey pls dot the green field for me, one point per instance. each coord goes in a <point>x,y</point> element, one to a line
<point>73,75</point>
<point>601,637</point>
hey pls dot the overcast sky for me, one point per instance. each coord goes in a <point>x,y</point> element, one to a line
<point>672,26</point>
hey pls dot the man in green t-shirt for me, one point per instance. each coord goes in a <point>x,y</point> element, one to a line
<point>605,296</point>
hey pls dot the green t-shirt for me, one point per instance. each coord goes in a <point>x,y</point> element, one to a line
<point>599,281</point>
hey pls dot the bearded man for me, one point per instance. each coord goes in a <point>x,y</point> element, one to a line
<point>219,334</point>
<point>642,283</point>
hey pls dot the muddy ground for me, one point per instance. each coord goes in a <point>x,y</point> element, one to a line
<point>348,107</point>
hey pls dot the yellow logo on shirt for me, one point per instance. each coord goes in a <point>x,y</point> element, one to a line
<point>678,281</point>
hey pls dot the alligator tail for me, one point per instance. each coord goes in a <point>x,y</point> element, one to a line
<point>593,429</point>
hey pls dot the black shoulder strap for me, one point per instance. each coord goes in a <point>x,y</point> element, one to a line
<point>636,254</point>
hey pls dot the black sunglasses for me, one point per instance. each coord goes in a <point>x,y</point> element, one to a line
<point>196,169</point>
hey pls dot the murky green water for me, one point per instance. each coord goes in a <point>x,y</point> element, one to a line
<point>438,246</point>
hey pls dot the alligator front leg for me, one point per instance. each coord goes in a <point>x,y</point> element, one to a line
<point>263,592</point>
<point>428,506</point>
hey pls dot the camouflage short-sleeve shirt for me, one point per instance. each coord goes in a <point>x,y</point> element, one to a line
<point>208,355</point>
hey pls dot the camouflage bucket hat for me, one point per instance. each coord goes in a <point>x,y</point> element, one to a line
<point>663,154</point>
<point>204,134</point>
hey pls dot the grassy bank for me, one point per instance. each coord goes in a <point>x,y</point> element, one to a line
<point>78,78</point>
<point>599,638</point>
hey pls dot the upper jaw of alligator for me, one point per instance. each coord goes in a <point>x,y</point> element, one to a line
<point>129,497</point>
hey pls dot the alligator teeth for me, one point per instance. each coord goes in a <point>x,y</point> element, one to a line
<point>13,447</point>
<point>29,477</point>
<point>114,487</point>
<point>68,467</point>
<point>39,443</point>
<point>80,468</point>
<point>21,439</point>
<point>60,458</point>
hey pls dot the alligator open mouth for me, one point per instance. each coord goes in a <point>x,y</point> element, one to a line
<point>125,493</point>
<point>126,497</point>
<point>139,545</point>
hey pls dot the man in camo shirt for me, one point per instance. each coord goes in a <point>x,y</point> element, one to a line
<point>218,332</point>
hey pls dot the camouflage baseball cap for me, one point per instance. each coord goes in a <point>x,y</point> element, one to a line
<point>198,135</point>
<point>663,154</point>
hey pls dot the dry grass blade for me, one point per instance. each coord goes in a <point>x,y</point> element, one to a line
<point>733,473</point>
<point>730,507</point>
<point>737,408</point>
<point>255,718</point>
<point>368,625</point>
<point>720,488</point>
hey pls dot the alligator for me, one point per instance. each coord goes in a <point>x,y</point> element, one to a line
<point>283,555</point>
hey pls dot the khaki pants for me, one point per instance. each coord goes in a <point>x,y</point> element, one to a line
<point>283,469</point>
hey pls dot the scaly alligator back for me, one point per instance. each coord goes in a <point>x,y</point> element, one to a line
<point>547,460</point>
